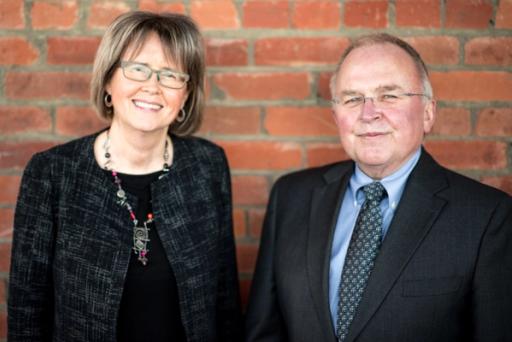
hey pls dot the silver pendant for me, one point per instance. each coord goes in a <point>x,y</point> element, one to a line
<point>140,242</point>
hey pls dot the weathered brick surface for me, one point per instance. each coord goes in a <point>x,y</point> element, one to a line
<point>267,87</point>
<point>418,13</point>
<point>17,51</point>
<point>366,13</point>
<point>59,15</point>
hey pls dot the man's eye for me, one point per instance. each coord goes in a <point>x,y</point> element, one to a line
<point>389,97</point>
<point>352,100</point>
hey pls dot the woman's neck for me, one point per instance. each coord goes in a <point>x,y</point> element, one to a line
<point>133,152</point>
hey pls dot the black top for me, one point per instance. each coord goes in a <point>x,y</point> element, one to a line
<point>150,305</point>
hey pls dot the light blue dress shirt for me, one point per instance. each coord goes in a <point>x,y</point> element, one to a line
<point>352,202</point>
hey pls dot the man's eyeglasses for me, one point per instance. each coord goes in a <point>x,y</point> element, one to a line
<point>384,101</point>
<point>141,72</point>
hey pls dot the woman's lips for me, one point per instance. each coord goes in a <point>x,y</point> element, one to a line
<point>147,105</point>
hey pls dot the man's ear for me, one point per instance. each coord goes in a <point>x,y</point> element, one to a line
<point>429,116</point>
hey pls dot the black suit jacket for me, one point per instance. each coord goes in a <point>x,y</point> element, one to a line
<point>72,244</point>
<point>444,271</point>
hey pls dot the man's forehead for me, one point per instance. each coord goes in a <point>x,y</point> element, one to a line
<point>381,51</point>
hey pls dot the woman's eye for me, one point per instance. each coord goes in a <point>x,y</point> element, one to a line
<point>168,76</point>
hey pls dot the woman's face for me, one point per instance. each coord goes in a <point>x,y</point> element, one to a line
<point>145,106</point>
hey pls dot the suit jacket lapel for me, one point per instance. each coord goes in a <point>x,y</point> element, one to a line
<point>418,209</point>
<point>325,205</point>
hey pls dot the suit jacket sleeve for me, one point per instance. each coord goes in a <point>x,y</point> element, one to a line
<point>264,321</point>
<point>30,302</point>
<point>229,317</point>
<point>492,285</point>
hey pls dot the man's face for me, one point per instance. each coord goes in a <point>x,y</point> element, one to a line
<point>380,134</point>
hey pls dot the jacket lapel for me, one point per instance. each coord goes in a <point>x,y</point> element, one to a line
<point>417,211</point>
<point>325,205</point>
<point>183,203</point>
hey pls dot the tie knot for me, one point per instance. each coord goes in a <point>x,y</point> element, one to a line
<point>374,191</point>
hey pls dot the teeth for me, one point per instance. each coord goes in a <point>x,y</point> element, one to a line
<point>146,105</point>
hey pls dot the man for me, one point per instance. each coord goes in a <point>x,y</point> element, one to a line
<point>390,246</point>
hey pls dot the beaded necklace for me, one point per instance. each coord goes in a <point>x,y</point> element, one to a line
<point>140,233</point>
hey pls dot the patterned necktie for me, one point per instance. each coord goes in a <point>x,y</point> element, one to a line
<point>362,251</point>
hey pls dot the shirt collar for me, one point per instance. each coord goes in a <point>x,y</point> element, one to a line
<point>394,183</point>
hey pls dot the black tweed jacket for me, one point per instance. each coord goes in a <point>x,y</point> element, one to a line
<point>72,243</point>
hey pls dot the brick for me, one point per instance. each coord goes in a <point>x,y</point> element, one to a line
<point>77,121</point>
<point>503,15</point>
<point>17,51</point>
<point>418,13</point>
<point>313,14</point>
<point>436,49</point>
<point>249,190</point>
<point>226,52</point>
<point>472,85</point>
<point>494,122</point>
<point>231,120</point>
<point>220,14</point>
<point>300,121</point>
<point>239,226</point>
<point>324,153</point>
<point>155,6</point>
<point>3,324</point>
<point>103,12</point>
<point>299,51</point>
<point>72,50</point>
<point>366,13</point>
<point>47,85</point>
<point>266,14</point>
<point>246,257</point>
<point>6,223</point>
<point>501,182</point>
<point>16,154</point>
<point>468,14</point>
<point>2,295</point>
<point>452,121</point>
<point>324,91</point>
<point>5,256</point>
<point>264,86</point>
<point>469,155</point>
<point>10,186</point>
<point>262,155</point>
<point>59,15</point>
<point>11,14</point>
<point>489,51</point>
<point>24,119</point>
<point>256,217</point>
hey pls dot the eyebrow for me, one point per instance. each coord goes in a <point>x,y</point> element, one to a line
<point>379,89</point>
<point>164,68</point>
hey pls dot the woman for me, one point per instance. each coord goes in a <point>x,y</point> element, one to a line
<point>126,235</point>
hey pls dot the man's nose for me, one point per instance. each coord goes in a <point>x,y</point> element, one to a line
<point>369,111</point>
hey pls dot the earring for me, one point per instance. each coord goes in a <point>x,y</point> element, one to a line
<point>108,100</point>
<point>181,115</point>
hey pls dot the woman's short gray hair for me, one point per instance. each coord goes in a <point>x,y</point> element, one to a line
<point>182,43</point>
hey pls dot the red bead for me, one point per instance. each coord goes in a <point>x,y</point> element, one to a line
<point>150,216</point>
<point>132,215</point>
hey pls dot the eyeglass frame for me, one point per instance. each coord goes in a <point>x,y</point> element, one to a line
<point>124,64</point>
<point>337,101</point>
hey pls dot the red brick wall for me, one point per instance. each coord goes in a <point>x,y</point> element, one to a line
<point>269,65</point>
